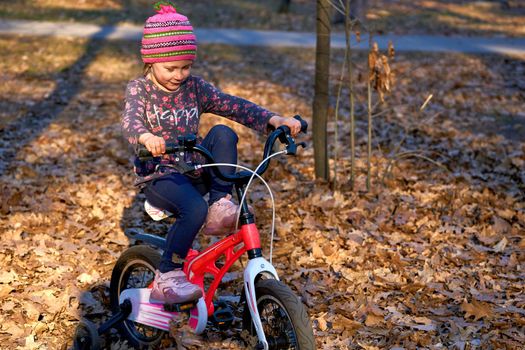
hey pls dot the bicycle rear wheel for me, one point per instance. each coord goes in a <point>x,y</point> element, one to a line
<point>284,318</point>
<point>135,269</point>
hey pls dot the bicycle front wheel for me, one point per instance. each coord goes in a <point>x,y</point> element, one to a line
<point>284,318</point>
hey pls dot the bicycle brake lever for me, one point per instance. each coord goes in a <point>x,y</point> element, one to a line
<point>291,148</point>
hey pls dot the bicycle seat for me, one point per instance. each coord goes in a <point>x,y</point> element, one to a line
<point>155,213</point>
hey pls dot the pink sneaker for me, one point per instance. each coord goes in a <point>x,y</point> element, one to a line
<point>173,288</point>
<point>221,217</point>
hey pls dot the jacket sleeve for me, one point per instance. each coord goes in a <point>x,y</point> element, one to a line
<point>212,100</point>
<point>133,121</point>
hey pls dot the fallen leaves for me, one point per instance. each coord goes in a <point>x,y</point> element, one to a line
<point>86,278</point>
<point>430,257</point>
<point>476,309</point>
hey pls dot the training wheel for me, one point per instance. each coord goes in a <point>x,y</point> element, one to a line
<point>86,336</point>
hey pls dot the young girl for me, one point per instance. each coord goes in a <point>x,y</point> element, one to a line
<point>166,103</point>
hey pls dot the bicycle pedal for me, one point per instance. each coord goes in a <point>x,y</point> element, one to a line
<point>223,316</point>
<point>185,307</point>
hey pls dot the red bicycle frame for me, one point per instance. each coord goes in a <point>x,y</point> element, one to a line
<point>232,247</point>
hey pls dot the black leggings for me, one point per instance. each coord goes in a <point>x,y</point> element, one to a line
<point>183,196</point>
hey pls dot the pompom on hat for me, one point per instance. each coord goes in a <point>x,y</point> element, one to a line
<point>168,36</point>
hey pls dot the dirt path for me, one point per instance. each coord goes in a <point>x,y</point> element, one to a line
<point>244,37</point>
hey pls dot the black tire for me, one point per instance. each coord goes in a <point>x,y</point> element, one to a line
<point>86,336</point>
<point>284,318</point>
<point>135,269</point>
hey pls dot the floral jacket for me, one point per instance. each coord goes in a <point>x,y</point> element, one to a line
<point>171,114</point>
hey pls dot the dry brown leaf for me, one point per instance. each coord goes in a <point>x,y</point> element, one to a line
<point>5,290</point>
<point>349,326</point>
<point>500,247</point>
<point>477,309</point>
<point>322,322</point>
<point>500,225</point>
<point>373,320</point>
<point>8,306</point>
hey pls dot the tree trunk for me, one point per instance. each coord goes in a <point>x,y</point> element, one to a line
<point>320,105</point>
<point>285,6</point>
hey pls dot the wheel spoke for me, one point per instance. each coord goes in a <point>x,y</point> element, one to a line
<point>276,324</point>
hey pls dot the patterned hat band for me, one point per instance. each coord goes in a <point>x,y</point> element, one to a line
<point>168,23</point>
<point>168,36</point>
<point>168,44</point>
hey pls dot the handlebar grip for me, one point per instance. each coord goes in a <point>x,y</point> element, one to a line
<point>304,124</point>
<point>144,154</point>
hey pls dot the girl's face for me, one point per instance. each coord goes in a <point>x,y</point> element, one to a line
<point>169,75</point>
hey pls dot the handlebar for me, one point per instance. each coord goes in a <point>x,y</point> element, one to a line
<point>188,143</point>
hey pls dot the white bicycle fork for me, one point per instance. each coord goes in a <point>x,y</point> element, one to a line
<point>254,268</point>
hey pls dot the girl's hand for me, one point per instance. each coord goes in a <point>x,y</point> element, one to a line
<point>294,125</point>
<point>155,144</point>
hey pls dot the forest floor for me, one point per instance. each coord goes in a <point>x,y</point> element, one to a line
<point>431,257</point>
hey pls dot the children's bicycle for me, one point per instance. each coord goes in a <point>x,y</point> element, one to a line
<point>272,312</point>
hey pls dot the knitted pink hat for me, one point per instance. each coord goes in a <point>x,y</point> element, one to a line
<point>168,36</point>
